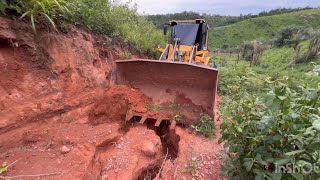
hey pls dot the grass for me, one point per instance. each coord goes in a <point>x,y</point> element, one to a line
<point>192,163</point>
<point>223,60</point>
<point>111,19</point>
<point>261,28</point>
<point>275,61</point>
<point>154,107</point>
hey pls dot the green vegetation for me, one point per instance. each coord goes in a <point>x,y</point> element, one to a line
<point>125,55</point>
<point>37,10</point>
<point>154,107</point>
<point>161,19</point>
<point>205,126</point>
<point>103,17</point>
<point>192,163</point>
<point>265,28</point>
<point>273,128</point>
<point>3,168</point>
<point>215,20</point>
<point>270,120</point>
<point>114,20</point>
<point>275,63</point>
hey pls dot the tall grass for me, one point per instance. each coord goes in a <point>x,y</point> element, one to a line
<point>106,17</point>
<point>37,10</point>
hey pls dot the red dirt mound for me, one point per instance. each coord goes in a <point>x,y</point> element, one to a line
<point>115,103</point>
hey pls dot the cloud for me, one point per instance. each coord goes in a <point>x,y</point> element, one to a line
<point>223,7</point>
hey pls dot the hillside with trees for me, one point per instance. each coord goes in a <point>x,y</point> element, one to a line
<point>264,28</point>
<point>215,20</point>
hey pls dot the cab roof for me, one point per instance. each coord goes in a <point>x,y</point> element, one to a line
<point>195,21</point>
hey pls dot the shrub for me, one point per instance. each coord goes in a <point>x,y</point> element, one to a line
<point>264,132</point>
<point>205,126</point>
<point>234,82</point>
<point>96,15</point>
<point>108,18</point>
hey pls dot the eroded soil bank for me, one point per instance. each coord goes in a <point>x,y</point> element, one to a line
<point>62,116</point>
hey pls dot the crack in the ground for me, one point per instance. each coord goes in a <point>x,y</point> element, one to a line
<point>169,142</point>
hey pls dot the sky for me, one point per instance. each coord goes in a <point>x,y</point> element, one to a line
<point>222,7</point>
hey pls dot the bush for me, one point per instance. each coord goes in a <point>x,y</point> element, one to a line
<point>235,82</point>
<point>96,15</point>
<point>105,17</point>
<point>205,126</point>
<point>264,132</point>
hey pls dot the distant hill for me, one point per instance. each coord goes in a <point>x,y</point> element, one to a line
<point>261,27</point>
<point>215,20</point>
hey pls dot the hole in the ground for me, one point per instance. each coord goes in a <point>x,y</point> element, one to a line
<point>126,126</point>
<point>169,139</point>
<point>149,173</point>
<point>4,43</point>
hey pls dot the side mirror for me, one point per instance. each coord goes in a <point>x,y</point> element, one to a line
<point>165,30</point>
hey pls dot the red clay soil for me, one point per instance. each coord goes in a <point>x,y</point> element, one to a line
<point>62,116</point>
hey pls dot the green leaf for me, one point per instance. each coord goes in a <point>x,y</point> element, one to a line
<point>282,97</point>
<point>316,124</point>
<point>24,14</point>
<point>266,119</point>
<point>297,176</point>
<point>33,23</point>
<point>316,68</point>
<point>248,164</point>
<point>260,160</point>
<point>294,152</point>
<point>239,129</point>
<point>3,6</point>
<point>3,167</point>
<point>275,176</point>
<point>259,177</point>
<point>277,137</point>
<point>2,170</point>
<point>50,20</point>
<point>282,161</point>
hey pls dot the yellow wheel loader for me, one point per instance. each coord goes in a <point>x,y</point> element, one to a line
<point>188,42</point>
<point>181,70</point>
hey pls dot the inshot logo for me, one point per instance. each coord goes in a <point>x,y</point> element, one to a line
<point>305,168</point>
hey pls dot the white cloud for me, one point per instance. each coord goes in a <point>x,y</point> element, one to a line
<point>223,7</point>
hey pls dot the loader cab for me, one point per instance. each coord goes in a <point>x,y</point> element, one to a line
<point>189,33</point>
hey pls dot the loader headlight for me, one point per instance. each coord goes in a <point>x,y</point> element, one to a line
<point>159,46</point>
<point>205,48</point>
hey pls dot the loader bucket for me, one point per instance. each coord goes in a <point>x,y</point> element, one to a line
<point>163,81</point>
